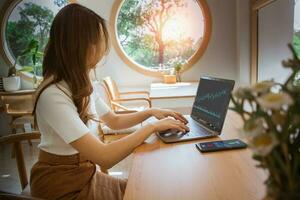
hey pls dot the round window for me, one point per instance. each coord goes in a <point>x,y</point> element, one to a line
<point>28,22</point>
<point>156,36</point>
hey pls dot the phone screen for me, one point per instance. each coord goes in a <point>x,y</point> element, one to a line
<point>221,145</point>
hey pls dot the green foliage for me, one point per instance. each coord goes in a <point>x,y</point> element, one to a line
<point>296,43</point>
<point>31,52</point>
<point>33,26</point>
<point>41,19</point>
<point>18,35</point>
<point>26,69</point>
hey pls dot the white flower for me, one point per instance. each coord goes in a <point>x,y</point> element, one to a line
<point>253,128</point>
<point>242,92</point>
<point>264,143</point>
<point>275,101</point>
<point>262,87</point>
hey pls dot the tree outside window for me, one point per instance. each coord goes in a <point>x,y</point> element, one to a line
<point>30,19</point>
<point>296,40</point>
<point>158,34</point>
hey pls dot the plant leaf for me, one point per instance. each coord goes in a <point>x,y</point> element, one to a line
<point>34,59</point>
<point>39,54</point>
<point>26,69</point>
<point>32,45</point>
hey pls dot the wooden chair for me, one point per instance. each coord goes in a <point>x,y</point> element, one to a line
<point>116,98</point>
<point>16,141</point>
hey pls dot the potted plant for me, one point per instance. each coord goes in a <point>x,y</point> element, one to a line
<point>178,64</point>
<point>177,68</point>
<point>271,115</point>
<point>13,82</point>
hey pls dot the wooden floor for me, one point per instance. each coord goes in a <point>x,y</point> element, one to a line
<point>9,179</point>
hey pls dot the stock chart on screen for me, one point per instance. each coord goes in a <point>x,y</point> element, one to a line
<point>212,101</point>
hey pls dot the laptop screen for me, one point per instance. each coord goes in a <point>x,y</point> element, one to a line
<point>211,102</point>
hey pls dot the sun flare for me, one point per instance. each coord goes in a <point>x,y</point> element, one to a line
<point>187,22</point>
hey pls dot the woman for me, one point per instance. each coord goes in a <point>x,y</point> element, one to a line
<point>67,112</point>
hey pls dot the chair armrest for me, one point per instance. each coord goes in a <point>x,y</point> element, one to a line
<point>136,92</point>
<point>7,139</point>
<point>125,111</point>
<point>121,106</point>
<point>8,196</point>
<point>134,99</point>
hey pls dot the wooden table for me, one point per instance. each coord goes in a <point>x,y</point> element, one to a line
<point>176,90</point>
<point>180,172</point>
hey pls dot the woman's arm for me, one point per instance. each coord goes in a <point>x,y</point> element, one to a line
<point>122,121</point>
<point>107,155</point>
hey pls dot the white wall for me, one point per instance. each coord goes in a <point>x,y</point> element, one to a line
<point>243,40</point>
<point>276,29</point>
<point>218,60</point>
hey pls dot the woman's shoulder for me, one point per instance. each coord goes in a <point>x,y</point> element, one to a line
<point>53,93</point>
<point>55,89</point>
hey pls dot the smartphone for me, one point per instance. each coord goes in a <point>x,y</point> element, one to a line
<point>221,145</point>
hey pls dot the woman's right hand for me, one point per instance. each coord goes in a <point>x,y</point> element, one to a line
<point>170,123</point>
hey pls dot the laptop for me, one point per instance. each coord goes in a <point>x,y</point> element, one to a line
<point>208,112</point>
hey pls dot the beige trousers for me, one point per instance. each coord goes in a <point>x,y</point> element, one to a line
<point>72,177</point>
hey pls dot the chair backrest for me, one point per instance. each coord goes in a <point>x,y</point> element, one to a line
<point>16,140</point>
<point>108,95</point>
<point>111,87</point>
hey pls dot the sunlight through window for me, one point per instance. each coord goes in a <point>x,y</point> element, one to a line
<point>158,35</point>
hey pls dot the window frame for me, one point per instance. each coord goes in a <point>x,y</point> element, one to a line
<point>8,7</point>
<point>154,73</point>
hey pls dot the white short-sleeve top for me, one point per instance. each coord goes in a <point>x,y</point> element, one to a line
<point>58,120</point>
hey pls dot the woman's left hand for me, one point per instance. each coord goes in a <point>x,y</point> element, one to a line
<point>164,113</point>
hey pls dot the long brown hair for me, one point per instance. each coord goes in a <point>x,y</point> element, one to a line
<point>77,34</point>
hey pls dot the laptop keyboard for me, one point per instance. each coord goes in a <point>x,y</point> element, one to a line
<point>179,134</point>
<point>195,131</point>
